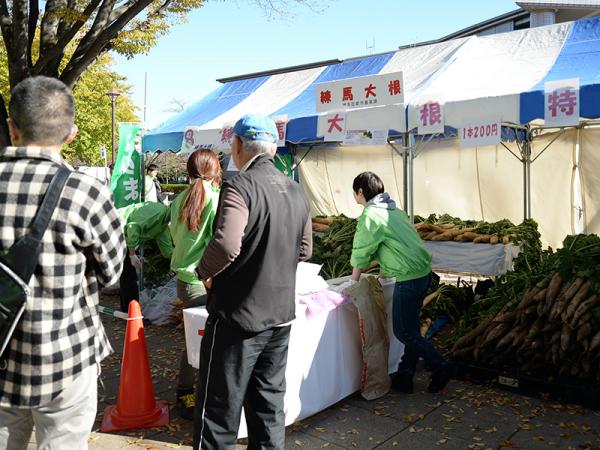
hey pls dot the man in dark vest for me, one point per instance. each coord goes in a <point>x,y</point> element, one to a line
<point>261,231</point>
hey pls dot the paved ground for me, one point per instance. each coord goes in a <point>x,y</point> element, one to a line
<point>465,416</point>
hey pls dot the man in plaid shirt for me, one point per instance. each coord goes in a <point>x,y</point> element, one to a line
<point>48,373</point>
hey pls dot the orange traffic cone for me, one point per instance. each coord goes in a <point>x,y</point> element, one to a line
<point>136,406</point>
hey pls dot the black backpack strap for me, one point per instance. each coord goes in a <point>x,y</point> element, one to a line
<point>22,257</point>
<point>42,218</point>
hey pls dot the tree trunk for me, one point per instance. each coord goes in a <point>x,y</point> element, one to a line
<point>4,136</point>
<point>17,51</point>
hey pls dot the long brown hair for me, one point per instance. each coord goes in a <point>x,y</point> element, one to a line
<point>201,165</point>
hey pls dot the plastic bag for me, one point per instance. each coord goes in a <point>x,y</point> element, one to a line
<point>156,303</point>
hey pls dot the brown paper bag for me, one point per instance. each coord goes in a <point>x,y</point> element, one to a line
<point>367,297</point>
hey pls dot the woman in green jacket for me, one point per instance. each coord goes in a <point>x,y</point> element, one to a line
<point>144,222</point>
<point>192,215</point>
<point>384,233</point>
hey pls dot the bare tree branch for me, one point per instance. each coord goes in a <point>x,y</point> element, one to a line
<point>81,60</point>
<point>63,25</point>
<point>17,53</point>
<point>5,23</point>
<point>100,23</point>
<point>141,26</point>
<point>52,66</point>
<point>160,10</point>
<point>34,14</point>
<point>49,26</point>
<point>56,51</point>
<point>116,13</point>
<point>176,105</point>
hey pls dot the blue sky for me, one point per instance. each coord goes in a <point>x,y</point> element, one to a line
<point>234,37</point>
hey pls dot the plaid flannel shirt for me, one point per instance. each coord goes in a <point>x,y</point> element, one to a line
<point>60,333</point>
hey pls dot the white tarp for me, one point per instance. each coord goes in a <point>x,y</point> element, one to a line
<point>500,176</point>
<point>421,65</point>
<point>488,73</point>
<point>475,183</point>
<point>590,176</point>
<point>445,180</point>
<point>467,257</point>
<point>551,185</point>
<point>276,92</point>
<point>326,174</point>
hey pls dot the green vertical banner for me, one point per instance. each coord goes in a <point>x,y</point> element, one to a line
<point>127,182</point>
<point>285,163</point>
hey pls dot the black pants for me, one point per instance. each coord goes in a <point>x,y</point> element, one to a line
<point>128,284</point>
<point>238,369</point>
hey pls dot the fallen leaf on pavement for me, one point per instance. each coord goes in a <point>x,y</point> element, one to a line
<point>507,444</point>
<point>435,405</point>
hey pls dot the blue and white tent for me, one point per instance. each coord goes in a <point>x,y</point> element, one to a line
<point>501,75</point>
<point>504,73</point>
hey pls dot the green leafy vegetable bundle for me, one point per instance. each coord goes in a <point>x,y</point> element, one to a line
<point>334,248</point>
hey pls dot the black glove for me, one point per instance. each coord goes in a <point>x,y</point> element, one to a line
<point>157,184</point>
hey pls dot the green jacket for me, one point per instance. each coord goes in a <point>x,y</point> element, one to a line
<point>190,245</point>
<point>384,233</point>
<point>145,222</point>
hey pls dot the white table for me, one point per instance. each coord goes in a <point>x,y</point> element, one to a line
<point>324,356</point>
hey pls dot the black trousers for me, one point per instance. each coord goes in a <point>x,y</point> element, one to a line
<point>238,369</point>
<point>128,284</point>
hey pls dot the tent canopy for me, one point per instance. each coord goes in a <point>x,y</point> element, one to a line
<point>501,75</point>
<point>578,58</point>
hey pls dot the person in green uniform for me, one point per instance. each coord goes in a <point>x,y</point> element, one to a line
<point>144,222</point>
<point>192,215</point>
<point>384,233</point>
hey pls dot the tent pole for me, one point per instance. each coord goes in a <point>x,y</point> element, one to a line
<point>405,172</point>
<point>526,154</point>
<point>411,209</point>
<point>524,161</point>
<point>529,180</point>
